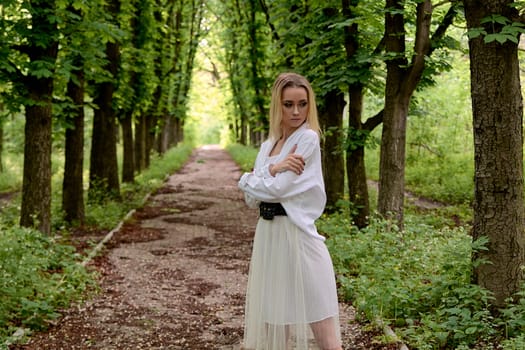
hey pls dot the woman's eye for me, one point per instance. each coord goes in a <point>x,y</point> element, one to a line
<point>303,104</point>
<point>287,104</point>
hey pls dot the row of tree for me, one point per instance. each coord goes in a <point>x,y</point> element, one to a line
<point>389,49</point>
<point>130,61</point>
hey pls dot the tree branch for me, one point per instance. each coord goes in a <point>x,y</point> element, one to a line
<point>372,122</point>
<point>443,26</point>
<point>421,46</point>
<point>270,24</point>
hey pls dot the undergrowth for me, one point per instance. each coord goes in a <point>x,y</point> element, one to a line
<point>418,281</point>
<point>39,274</point>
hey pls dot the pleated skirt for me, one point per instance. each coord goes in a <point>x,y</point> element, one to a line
<point>291,300</point>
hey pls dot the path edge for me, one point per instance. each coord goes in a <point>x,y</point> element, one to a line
<point>21,332</point>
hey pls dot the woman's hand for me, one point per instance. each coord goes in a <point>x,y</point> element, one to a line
<point>292,162</point>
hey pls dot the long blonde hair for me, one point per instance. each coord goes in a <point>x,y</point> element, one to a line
<point>283,81</point>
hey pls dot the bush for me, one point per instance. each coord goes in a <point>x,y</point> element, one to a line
<point>38,276</point>
<point>417,280</point>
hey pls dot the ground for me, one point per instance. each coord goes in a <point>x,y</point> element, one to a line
<point>174,275</point>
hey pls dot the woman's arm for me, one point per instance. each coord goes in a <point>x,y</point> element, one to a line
<point>293,162</point>
<point>291,177</point>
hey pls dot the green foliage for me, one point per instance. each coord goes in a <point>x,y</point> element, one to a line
<point>418,281</point>
<point>244,156</point>
<point>498,28</point>
<point>39,275</point>
<point>248,58</point>
<point>440,149</point>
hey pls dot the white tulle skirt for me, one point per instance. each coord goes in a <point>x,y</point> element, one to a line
<point>291,300</point>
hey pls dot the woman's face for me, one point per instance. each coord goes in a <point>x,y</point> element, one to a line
<point>294,108</point>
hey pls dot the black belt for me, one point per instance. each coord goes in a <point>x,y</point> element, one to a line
<point>269,210</point>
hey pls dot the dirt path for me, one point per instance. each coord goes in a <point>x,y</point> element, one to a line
<point>174,277</point>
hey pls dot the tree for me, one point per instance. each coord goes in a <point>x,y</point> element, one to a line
<point>81,56</point>
<point>332,104</point>
<point>31,79</point>
<point>246,49</point>
<point>183,32</point>
<point>360,72</point>
<point>103,171</point>
<point>403,77</point>
<point>1,137</point>
<point>401,81</point>
<point>130,17</point>
<point>300,46</point>
<point>498,145</point>
<point>72,187</point>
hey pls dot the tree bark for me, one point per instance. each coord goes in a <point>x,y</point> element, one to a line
<point>103,172</point>
<point>400,84</point>
<point>331,121</point>
<point>498,153</point>
<point>1,141</point>
<point>36,186</point>
<point>355,160</point>
<point>72,185</point>
<point>128,154</point>
<point>140,143</point>
<point>355,152</point>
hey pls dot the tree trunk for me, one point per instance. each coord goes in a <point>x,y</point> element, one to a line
<point>179,131</point>
<point>128,154</point>
<point>150,138</point>
<point>172,132</point>
<point>164,135</point>
<point>140,143</point>
<point>498,153</point>
<point>355,160</point>
<point>355,152</point>
<point>400,84</point>
<point>103,172</point>
<point>36,186</point>
<point>72,185</point>
<point>331,121</point>
<point>1,143</point>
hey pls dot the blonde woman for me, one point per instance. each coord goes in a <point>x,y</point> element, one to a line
<point>291,300</point>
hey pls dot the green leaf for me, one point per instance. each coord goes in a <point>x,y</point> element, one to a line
<point>473,33</point>
<point>495,19</point>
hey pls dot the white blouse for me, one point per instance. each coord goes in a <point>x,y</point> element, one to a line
<point>302,196</point>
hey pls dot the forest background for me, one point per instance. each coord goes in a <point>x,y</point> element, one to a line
<point>101,99</point>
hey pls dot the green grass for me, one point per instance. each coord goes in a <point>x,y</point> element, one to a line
<point>244,156</point>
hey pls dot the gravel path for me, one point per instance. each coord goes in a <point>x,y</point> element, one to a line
<point>174,276</point>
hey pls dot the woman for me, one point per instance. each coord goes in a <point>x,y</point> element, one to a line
<point>291,300</point>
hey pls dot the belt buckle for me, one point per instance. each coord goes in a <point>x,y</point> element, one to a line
<point>267,212</point>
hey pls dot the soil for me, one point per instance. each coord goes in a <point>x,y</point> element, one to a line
<point>174,275</point>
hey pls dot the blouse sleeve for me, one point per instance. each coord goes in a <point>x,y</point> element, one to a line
<point>261,185</point>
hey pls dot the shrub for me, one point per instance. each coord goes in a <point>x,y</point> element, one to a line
<point>38,276</point>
